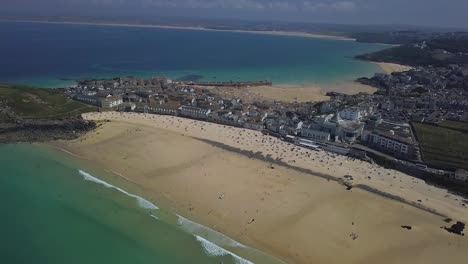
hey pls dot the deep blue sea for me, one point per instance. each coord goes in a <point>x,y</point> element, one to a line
<point>47,54</point>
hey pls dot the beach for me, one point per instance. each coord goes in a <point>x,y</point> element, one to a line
<point>265,193</point>
<point>388,68</point>
<point>291,92</point>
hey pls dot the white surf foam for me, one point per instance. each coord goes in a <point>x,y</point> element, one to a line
<point>192,227</point>
<point>214,250</point>
<point>155,217</point>
<point>140,201</point>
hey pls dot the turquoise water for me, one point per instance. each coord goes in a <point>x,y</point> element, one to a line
<point>56,54</point>
<point>55,211</point>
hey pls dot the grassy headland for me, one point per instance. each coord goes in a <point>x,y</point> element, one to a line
<point>437,52</point>
<point>34,103</point>
<point>35,115</point>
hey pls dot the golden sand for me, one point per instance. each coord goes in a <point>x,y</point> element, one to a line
<point>291,93</point>
<point>392,67</point>
<point>211,174</point>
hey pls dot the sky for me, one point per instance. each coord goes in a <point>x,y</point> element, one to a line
<point>444,13</point>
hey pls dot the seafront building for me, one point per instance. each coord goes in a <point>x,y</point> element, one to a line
<point>111,102</point>
<point>355,125</point>
<point>394,139</point>
<point>107,102</point>
<point>194,112</point>
<point>352,113</point>
<point>331,128</point>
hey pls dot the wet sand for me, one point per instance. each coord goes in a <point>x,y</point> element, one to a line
<point>220,176</point>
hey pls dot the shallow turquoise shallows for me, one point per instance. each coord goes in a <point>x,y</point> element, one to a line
<point>56,54</point>
<point>55,211</point>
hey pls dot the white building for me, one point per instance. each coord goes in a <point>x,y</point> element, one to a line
<point>314,134</point>
<point>87,99</point>
<point>194,112</point>
<point>352,113</point>
<point>356,113</point>
<point>331,128</point>
<point>111,101</point>
<point>349,130</point>
<point>389,143</point>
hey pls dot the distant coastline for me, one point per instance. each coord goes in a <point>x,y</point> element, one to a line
<point>275,33</point>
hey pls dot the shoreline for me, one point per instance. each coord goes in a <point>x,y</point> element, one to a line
<point>389,68</point>
<point>204,183</point>
<point>311,92</point>
<point>274,33</point>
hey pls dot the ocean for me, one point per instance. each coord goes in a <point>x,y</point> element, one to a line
<point>57,209</point>
<point>52,55</point>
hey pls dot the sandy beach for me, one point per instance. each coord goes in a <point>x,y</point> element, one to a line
<point>291,92</point>
<point>274,196</point>
<point>392,67</point>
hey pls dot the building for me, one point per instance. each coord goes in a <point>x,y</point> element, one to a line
<point>253,126</point>
<point>306,143</point>
<point>329,106</point>
<point>461,175</point>
<point>331,128</point>
<point>159,110</point>
<point>111,101</point>
<point>129,107</point>
<point>87,99</point>
<point>308,131</point>
<point>394,139</point>
<point>194,112</point>
<point>351,113</point>
<point>348,131</point>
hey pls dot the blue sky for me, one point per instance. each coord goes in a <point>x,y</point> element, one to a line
<point>415,12</point>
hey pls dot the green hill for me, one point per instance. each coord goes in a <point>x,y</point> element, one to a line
<point>36,103</point>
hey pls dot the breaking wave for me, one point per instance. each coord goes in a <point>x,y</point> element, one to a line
<point>155,217</point>
<point>140,201</point>
<point>214,250</point>
<point>192,227</point>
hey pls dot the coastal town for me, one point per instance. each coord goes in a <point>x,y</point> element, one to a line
<point>378,128</point>
<point>235,142</point>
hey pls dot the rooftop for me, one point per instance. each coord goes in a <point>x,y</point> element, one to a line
<point>398,132</point>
